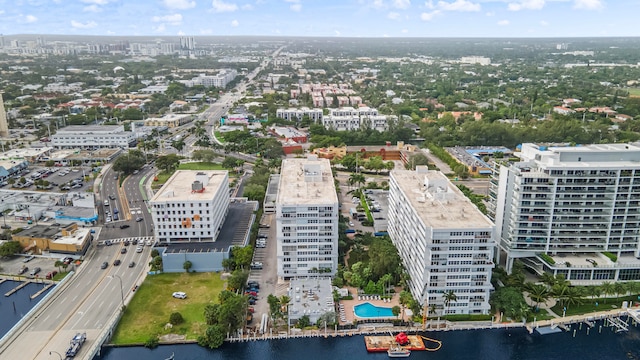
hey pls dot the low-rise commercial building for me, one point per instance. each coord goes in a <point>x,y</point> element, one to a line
<point>69,239</point>
<point>169,120</point>
<point>93,136</point>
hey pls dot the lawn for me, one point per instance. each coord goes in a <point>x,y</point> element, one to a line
<point>633,91</point>
<point>589,305</point>
<point>200,166</point>
<point>149,310</point>
<point>162,178</point>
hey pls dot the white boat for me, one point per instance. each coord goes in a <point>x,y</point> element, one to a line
<point>398,352</point>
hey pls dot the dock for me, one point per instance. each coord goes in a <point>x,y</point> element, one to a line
<point>611,316</point>
<point>42,290</point>
<point>17,288</point>
<point>381,343</point>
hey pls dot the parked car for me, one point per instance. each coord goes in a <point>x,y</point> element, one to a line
<point>256,265</point>
<point>51,274</point>
<point>23,270</point>
<point>76,186</point>
<point>67,260</point>
<point>253,284</point>
<point>28,258</point>
<point>104,265</point>
<point>179,295</point>
<point>115,217</point>
<point>35,271</point>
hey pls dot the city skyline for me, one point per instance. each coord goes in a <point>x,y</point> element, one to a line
<point>350,18</point>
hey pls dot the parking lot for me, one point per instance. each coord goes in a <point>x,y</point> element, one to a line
<point>59,180</point>
<point>13,266</point>
<point>267,275</point>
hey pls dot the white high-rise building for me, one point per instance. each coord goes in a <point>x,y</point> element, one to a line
<point>4,126</point>
<point>307,219</point>
<point>445,242</point>
<point>191,206</point>
<point>571,210</point>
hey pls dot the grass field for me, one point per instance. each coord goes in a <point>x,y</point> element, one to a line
<point>633,91</point>
<point>200,166</point>
<point>162,178</point>
<point>589,305</point>
<point>149,311</point>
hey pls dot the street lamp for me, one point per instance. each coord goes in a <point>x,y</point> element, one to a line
<point>55,352</point>
<point>121,290</point>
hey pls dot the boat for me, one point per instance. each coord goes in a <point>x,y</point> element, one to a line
<point>398,352</point>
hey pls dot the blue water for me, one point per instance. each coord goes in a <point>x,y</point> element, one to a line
<point>513,344</point>
<point>14,307</point>
<point>368,310</point>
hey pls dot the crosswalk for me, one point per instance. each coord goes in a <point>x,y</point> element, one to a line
<point>130,239</point>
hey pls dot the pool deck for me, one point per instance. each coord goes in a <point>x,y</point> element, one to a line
<point>349,305</point>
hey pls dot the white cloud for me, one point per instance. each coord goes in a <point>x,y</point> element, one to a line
<point>79,25</point>
<point>206,31</point>
<point>1,12</point>
<point>173,19</point>
<point>503,22</point>
<point>336,32</point>
<point>179,4</point>
<point>235,23</point>
<point>393,15</point>
<point>159,28</point>
<point>221,6</point>
<point>97,2</point>
<point>109,32</point>
<point>296,7</point>
<point>544,23</point>
<point>526,5</point>
<point>247,7</point>
<point>458,5</point>
<point>402,4</point>
<point>490,13</point>
<point>30,19</point>
<point>588,4</point>
<point>428,16</point>
<point>404,31</point>
<point>92,8</point>
<point>181,33</point>
<point>429,4</point>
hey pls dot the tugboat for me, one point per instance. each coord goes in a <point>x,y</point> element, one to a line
<point>398,351</point>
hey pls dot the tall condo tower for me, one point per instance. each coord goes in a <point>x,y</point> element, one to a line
<point>4,126</point>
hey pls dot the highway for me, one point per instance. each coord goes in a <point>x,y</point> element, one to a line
<point>94,295</point>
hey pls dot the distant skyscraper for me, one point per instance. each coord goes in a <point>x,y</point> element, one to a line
<point>187,43</point>
<point>1,41</point>
<point>4,127</point>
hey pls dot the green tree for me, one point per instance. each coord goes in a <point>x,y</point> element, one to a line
<point>168,163</point>
<point>607,289</point>
<point>539,293</point>
<point>303,322</point>
<point>396,310</point>
<point>242,255</point>
<point>187,265</point>
<point>178,144</point>
<point>10,248</point>
<point>449,297</point>
<point>211,313</point>
<point>176,318</point>
<point>237,279</point>
<point>213,338</point>
<point>130,162</point>
<point>58,264</point>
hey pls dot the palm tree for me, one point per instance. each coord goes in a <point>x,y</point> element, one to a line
<point>559,291</point>
<point>539,293</point>
<point>593,291</point>
<point>58,264</point>
<point>284,302</point>
<point>448,297</point>
<point>356,179</point>
<point>573,296</point>
<point>607,289</point>
<point>620,288</point>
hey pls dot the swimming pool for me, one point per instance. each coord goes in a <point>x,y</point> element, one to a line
<point>368,310</point>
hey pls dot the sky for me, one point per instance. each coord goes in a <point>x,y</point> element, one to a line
<point>326,18</point>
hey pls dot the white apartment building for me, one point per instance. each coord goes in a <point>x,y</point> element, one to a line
<point>445,242</point>
<point>296,114</point>
<point>348,118</point>
<point>191,206</point>
<point>307,219</point>
<point>571,210</point>
<point>220,80</point>
<point>93,136</point>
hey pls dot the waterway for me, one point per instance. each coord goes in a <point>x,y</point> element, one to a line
<point>497,344</point>
<point>15,306</point>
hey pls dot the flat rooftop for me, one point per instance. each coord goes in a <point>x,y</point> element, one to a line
<point>306,181</point>
<point>178,187</point>
<point>77,238</point>
<point>40,231</point>
<point>91,128</point>
<point>438,202</point>
<point>310,296</point>
<point>604,156</point>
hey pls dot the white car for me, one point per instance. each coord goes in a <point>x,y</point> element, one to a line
<point>108,219</point>
<point>179,295</point>
<point>149,243</point>
<point>139,249</point>
<point>351,224</point>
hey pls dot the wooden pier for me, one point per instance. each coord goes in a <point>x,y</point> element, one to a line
<point>42,290</point>
<point>12,291</point>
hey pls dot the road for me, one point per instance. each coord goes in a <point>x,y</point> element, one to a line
<point>92,296</point>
